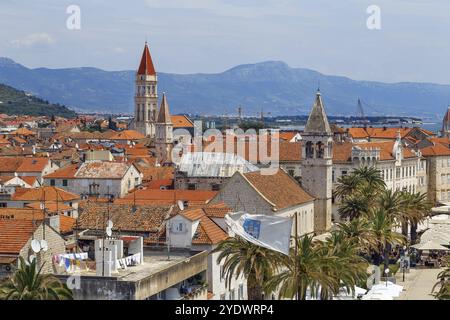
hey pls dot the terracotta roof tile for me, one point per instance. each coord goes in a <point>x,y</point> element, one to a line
<point>181,121</point>
<point>14,235</point>
<point>41,193</point>
<point>280,189</point>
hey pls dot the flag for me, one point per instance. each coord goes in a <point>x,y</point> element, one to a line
<point>271,232</point>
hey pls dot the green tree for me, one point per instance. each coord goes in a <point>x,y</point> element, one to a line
<point>320,267</point>
<point>443,293</point>
<point>28,283</point>
<point>381,225</point>
<point>243,258</point>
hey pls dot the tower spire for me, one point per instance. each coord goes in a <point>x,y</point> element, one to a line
<point>164,114</point>
<point>317,120</point>
<point>146,66</point>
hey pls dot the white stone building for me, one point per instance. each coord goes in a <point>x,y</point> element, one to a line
<point>96,178</point>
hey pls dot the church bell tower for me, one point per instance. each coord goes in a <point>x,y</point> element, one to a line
<point>146,96</point>
<point>317,162</point>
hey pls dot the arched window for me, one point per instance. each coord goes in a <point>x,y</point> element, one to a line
<point>309,150</point>
<point>320,150</point>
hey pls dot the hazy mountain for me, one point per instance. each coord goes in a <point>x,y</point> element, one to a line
<point>272,86</point>
<point>13,101</point>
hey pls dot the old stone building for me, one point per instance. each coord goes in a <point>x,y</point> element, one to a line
<point>146,96</point>
<point>437,156</point>
<point>15,241</point>
<point>317,162</point>
<point>277,194</point>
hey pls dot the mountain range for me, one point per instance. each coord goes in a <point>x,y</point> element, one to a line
<point>271,86</point>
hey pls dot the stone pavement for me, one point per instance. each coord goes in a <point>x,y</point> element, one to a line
<point>418,283</point>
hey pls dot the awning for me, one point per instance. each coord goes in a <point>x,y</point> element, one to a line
<point>430,245</point>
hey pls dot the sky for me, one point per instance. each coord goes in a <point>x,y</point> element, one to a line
<point>209,36</point>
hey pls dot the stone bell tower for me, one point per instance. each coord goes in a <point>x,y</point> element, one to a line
<point>317,162</point>
<point>164,133</point>
<point>146,96</point>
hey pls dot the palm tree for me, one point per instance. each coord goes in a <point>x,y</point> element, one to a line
<point>353,206</point>
<point>322,268</point>
<point>417,208</point>
<point>444,285</point>
<point>28,283</point>
<point>381,225</point>
<point>302,270</point>
<point>349,184</point>
<point>255,263</point>
<point>359,232</point>
<point>349,267</point>
<point>358,191</point>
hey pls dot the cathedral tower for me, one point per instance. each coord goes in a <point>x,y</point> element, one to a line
<point>146,96</point>
<point>317,162</point>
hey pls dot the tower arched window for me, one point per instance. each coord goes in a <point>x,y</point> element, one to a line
<point>309,150</point>
<point>320,150</point>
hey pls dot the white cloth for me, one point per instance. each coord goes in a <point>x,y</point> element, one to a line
<point>271,232</point>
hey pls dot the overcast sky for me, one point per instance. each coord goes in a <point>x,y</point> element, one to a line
<point>189,36</point>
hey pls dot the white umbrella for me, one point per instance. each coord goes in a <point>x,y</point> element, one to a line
<point>390,289</point>
<point>430,245</point>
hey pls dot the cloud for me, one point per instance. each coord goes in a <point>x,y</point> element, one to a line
<point>33,39</point>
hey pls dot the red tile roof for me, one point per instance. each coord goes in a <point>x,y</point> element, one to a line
<point>181,121</point>
<point>280,189</point>
<point>146,66</point>
<point>47,193</point>
<point>14,235</point>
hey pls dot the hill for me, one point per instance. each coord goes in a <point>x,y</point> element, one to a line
<point>272,86</point>
<point>13,101</point>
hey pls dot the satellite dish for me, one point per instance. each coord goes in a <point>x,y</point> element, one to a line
<point>180,205</point>
<point>109,232</point>
<point>44,245</point>
<point>35,246</point>
<point>109,224</point>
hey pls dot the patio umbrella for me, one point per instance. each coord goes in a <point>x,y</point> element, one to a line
<point>430,245</point>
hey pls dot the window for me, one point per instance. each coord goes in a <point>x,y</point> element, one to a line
<point>332,176</point>
<point>397,173</point>
<point>3,204</point>
<point>309,150</point>
<point>180,227</point>
<point>215,187</point>
<point>442,195</point>
<point>191,186</point>
<point>344,172</point>
<point>52,182</point>
<point>64,183</point>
